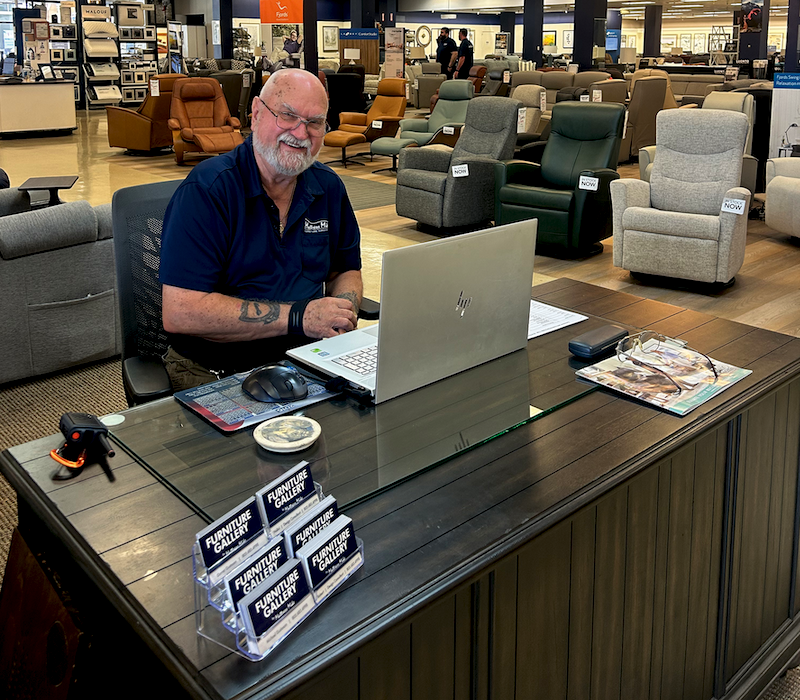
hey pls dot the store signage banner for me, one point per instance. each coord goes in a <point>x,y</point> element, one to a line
<point>359,34</point>
<point>281,11</point>
<point>752,15</point>
<point>395,52</point>
<point>784,129</point>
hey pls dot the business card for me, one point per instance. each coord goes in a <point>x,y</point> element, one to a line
<point>303,530</point>
<point>275,607</point>
<point>331,557</point>
<point>231,539</point>
<point>255,570</point>
<point>287,498</point>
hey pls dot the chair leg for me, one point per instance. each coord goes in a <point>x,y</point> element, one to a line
<point>392,169</point>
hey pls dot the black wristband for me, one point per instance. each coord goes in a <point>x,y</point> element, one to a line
<point>296,317</point>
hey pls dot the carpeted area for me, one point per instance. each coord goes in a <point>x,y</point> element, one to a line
<point>365,194</point>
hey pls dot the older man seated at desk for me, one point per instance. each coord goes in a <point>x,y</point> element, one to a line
<point>260,249</point>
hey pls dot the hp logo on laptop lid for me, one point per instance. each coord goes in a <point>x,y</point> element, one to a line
<point>463,303</point>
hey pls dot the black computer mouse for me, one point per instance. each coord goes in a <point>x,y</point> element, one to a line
<point>275,383</point>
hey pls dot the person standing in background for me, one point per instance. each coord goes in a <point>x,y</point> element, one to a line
<point>465,52</point>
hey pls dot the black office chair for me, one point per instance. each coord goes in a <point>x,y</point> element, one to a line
<point>137,218</point>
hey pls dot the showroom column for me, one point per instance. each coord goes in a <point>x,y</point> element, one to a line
<point>590,30</point>
<point>388,11</point>
<point>532,21</point>
<point>754,44</point>
<point>793,20</point>
<point>222,11</point>
<point>652,31</point>
<point>508,21</point>
<point>363,14</point>
<point>310,54</point>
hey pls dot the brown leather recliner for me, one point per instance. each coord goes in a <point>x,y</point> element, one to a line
<point>145,128</point>
<point>200,119</point>
<point>383,118</point>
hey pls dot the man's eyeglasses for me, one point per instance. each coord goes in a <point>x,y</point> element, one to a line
<point>290,121</point>
<point>637,342</point>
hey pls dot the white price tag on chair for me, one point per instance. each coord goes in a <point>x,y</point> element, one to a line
<point>506,76</point>
<point>588,183</point>
<point>584,98</point>
<point>448,130</point>
<point>416,83</point>
<point>543,100</point>
<point>245,79</point>
<point>377,124</point>
<point>460,170</point>
<point>155,88</point>
<point>733,206</point>
<point>597,95</point>
<point>625,125</point>
<point>522,113</point>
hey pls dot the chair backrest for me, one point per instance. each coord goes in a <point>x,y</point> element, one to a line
<point>476,76</point>
<point>530,96</point>
<point>346,94</point>
<point>432,68</point>
<point>198,103</point>
<point>490,129</point>
<point>454,97</point>
<point>587,77</point>
<point>736,102</point>
<point>525,77</point>
<point>390,100</point>
<point>553,81</point>
<point>582,136</point>
<point>494,83</point>
<point>645,103</point>
<point>356,68</point>
<point>698,159</point>
<point>137,219</point>
<point>157,108</point>
<point>613,90</point>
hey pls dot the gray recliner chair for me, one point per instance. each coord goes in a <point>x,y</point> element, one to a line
<point>737,102</point>
<point>433,191</point>
<point>673,225</point>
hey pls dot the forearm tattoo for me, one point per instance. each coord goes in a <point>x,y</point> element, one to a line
<point>352,297</point>
<point>265,312</point>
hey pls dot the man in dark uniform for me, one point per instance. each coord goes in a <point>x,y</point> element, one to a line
<point>465,52</point>
<point>444,51</point>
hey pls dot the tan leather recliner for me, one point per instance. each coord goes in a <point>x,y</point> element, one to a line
<point>145,128</point>
<point>669,98</point>
<point>200,119</point>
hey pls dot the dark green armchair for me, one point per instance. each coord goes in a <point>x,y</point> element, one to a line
<point>569,191</point>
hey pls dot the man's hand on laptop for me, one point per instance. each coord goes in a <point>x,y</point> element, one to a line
<point>328,316</point>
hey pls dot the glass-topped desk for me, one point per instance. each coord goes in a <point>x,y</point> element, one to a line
<point>363,449</point>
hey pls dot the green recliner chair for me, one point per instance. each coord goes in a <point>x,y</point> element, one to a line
<point>569,191</point>
<point>450,110</point>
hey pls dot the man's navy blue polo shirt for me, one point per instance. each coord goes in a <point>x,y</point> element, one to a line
<point>221,234</point>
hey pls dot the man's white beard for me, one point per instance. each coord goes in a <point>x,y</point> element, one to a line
<point>285,163</point>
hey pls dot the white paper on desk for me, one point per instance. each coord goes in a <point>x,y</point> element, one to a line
<point>544,318</point>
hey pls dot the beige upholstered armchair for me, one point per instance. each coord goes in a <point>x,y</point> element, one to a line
<point>677,225</point>
<point>783,195</point>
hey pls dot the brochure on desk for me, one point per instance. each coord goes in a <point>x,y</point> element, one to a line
<point>228,408</point>
<point>686,367</point>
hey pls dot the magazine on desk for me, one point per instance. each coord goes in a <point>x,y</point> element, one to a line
<point>685,367</point>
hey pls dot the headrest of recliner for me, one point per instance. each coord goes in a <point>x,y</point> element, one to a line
<point>587,121</point>
<point>392,87</point>
<point>477,71</point>
<point>196,89</point>
<point>456,90</point>
<point>496,74</point>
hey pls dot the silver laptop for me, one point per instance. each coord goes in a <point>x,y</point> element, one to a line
<point>446,306</point>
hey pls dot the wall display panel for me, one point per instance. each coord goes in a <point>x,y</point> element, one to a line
<point>56,55</point>
<point>130,15</point>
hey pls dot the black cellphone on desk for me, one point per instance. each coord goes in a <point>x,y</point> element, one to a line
<point>597,343</point>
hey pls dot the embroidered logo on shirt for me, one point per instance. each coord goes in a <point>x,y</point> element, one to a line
<point>316,226</point>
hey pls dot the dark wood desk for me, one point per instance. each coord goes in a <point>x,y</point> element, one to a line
<point>606,550</point>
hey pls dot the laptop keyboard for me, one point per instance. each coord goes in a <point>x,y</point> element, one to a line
<point>362,361</point>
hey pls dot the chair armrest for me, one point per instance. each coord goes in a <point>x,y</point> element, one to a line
<point>787,167</point>
<point>144,380</point>
<point>439,137</point>
<point>626,193</point>
<point>174,124</point>
<point>369,309</point>
<point>516,172</point>
<point>750,172</point>
<point>413,125</point>
<point>426,158</point>
<point>592,206</point>
<point>357,118</point>
<point>732,237</point>
<point>532,152</point>
<point>646,157</point>
<point>388,127</point>
<point>234,122</point>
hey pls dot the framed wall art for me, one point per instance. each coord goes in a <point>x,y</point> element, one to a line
<point>330,38</point>
<point>567,38</point>
<point>549,39</point>
<point>699,43</point>
<point>686,42</point>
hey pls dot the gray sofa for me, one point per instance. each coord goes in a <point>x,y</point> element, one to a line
<point>57,286</point>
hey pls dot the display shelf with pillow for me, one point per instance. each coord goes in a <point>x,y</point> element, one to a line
<point>63,47</point>
<point>100,54</point>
